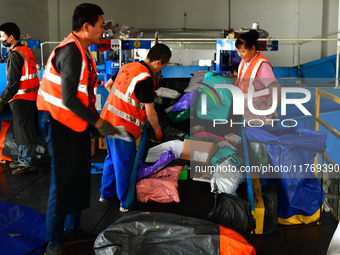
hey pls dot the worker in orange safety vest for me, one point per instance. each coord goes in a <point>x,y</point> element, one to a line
<point>21,94</point>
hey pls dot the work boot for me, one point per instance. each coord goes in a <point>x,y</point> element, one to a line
<point>25,170</point>
<point>60,251</point>
<point>16,164</point>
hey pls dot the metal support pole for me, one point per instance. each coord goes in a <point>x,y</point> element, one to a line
<point>42,52</point>
<point>120,54</point>
<point>337,66</point>
<point>299,60</point>
<point>180,54</point>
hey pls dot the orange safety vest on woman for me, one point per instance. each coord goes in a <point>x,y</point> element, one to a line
<point>249,76</point>
<point>29,81</point>
<point>122,108</point>
<point>49,95</point>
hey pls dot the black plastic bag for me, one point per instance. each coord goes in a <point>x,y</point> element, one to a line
<point>179,86</point>
<point>270,203</point>
<point>171,133</point>
<point>158,233</point>
<point>232,212</point>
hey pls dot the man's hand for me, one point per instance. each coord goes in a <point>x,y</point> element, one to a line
<point>158,136</point>
<point>106,128</point>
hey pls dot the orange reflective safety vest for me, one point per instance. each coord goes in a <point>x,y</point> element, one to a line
<point>249,76</point>
<point>50,97</point>
<point>122,108</point>
<point>29,81</point>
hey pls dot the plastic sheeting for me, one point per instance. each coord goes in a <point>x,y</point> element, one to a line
<point>22,230</point>
<point>170,234</point>
<point>292,151</point>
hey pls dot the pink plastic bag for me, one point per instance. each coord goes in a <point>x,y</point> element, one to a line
<point>160,187</point>
<point>207,134</point>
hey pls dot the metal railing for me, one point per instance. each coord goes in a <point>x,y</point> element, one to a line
<point>332,192</point>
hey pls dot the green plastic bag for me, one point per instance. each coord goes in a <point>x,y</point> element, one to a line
<point>215,110</point>
<point>178,116</point>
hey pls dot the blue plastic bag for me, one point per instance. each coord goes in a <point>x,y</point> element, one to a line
<point>145,169</point>
<point>292,151</point>
<point>22,230</point>
<point>186,101</point>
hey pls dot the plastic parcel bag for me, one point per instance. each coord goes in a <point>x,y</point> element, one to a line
<point>186,101</point>
<point>167,93</point>
<point>227,180</point>
<point>160,187</point>
<point>145,170</point>
<point>227,176</point>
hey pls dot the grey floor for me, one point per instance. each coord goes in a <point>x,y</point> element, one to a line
<point>196,201</point>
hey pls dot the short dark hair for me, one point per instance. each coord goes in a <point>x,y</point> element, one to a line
<point>159,52</point>
<point>85,13</point>
<point>11,28</point>
<point>248,40</point>
<point>234,67</point>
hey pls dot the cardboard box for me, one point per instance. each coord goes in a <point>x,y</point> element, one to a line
<point>102,143</point>
<point>196,129</point>
<point>94,142</point>
<point>198,151</point>
<point>234,35</point>
<point>233,139</point>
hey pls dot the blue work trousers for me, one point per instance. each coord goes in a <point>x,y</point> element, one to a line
<point>118,167</point>
<point>55,223</point>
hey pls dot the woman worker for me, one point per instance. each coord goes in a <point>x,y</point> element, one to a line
<point>256,73</point>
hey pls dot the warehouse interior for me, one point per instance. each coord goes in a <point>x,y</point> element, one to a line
<point>302,46</point>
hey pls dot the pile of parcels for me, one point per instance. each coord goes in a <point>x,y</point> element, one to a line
<point>187,147</point>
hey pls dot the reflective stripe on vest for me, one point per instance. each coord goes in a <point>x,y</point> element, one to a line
<point>50,92</point>
<point>29,83</point>
<point>122,106</point>
<point>127,99</point>
<point>256,93</point>
<point>134,81</point>
<point>124,115</point>
<point>57,79</point>
<point>52,100</point>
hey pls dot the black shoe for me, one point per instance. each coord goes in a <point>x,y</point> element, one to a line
<point>60,251</point>
<point>106,201</point>
<point>79,237</point>
<point>25,170</point>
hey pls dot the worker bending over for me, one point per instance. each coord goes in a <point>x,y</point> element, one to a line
<point>129,104</point>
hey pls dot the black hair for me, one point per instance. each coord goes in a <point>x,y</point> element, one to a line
<point>234,67</point>
<point>159,52</point>
<point>248,40</point>
<point>85,13</point>
<point>11,28</point>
